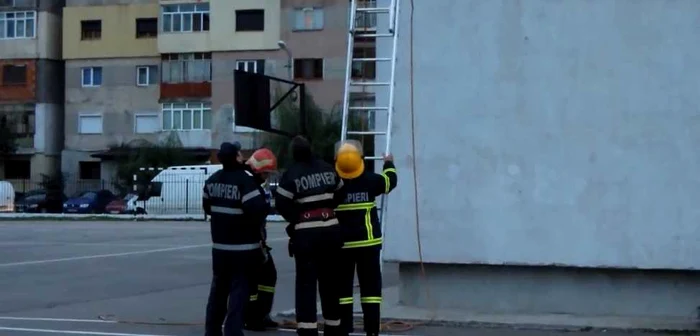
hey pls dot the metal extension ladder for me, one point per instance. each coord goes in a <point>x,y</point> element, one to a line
<point>384,85</point>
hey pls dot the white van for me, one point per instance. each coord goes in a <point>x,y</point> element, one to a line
<point>176,190</point>
<point>7,197</point>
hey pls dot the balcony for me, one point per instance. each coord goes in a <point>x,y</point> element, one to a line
<point>186,76</point>
<point>190,121</point>
<point>19,119</point>
<point>17,81</point>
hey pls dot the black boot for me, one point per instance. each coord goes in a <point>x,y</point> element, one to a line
<point>269,323</point>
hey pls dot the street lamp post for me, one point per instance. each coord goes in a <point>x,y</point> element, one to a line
<point>283,46</point>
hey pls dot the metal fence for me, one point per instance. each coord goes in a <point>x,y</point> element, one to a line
<point>169,196</point>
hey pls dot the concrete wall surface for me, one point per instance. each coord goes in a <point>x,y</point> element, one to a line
<point>517,290</point>
<point>222,35</point>
<point>548,133</point>
<point>118,37</point>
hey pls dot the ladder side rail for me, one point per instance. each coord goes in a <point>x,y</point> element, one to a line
<point>392,15</point>
<point>390,113</point>
<point>348,70</point>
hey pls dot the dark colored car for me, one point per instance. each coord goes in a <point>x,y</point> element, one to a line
<point>121,206</point>
<point>93,202</point>
<point>35,203</point>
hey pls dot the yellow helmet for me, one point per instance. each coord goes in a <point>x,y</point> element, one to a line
<point>348,159</point>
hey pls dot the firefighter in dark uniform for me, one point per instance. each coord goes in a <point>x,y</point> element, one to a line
<point>262,164</point>
<point>233,200</point>
<point>362,234</point>
<point>305,198</point>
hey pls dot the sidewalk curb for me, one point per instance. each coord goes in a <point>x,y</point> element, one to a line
<point>110,217</point>
<point>689,329</point>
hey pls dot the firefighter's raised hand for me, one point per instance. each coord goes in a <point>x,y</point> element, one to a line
<point>388,158</point>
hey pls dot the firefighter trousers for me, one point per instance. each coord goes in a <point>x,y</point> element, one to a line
<point>369,274</point>
<point>231,284</point>
<point>263,293</point>
<point>322,268</point>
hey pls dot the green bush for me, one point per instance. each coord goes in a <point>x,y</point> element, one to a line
<point>323,129</point>
<point>144,155</point>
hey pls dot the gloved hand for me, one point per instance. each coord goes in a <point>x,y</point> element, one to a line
<point>290,248</point>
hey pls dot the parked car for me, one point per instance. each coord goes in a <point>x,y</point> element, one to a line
<point>89,202</point>
<point>35,202</point>
<point>7,197</point>
<point>22,195</point>
<point>125,205</point>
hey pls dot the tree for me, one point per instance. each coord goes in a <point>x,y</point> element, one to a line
<point>54,186</point>
<point>323,129</point>
<point>143,154</point>
<point>8,137</point>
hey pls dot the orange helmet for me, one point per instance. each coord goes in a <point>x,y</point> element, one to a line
<point>263,161</point>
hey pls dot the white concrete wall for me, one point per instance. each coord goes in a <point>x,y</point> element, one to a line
<point>549,133</point>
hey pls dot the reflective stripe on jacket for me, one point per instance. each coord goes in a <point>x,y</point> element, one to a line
<point>357,214</point>
<point>237,208</point>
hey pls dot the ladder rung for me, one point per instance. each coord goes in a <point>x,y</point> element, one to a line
<point>368,108</point>
<point>373,35</point>
<point>366,133</point>
<point>370,83</point>
<point>373,9</point>
<point>375,59</point>
<point>376,158</point>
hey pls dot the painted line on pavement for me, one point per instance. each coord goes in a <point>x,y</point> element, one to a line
<point>98,256</point>
<point>74,332</point>
<point>47,319</point>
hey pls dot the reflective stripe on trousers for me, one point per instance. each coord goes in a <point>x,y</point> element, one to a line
<point>226,210</point>
<point>236,247</point>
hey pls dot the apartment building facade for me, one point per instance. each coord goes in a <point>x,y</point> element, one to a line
<point>112,83</point>
<point>31,96</point>
<point>146,70</point>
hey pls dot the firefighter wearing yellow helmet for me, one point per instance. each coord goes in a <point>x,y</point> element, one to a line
<point>361,231</point>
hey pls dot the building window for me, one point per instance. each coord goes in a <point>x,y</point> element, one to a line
<point>90,170</point>
<point>364,69</point>
<point>17,25</point>
<point>90,124</point>
<point>366,20</point>
<point>18,169</point>
<point>181,18</point>
<point>256,66</point>
<point>146,123</point>
<point>14,74</point>
<point>91,30</point>
<point>187,116</point>
<point>146,28</point>
<point>308,68</point>
<point>186,68</point>
<point>367,119</point>
<point>308,18</point>
<point>250,20</point>
<point>146,75</point>
<point>91,76</point>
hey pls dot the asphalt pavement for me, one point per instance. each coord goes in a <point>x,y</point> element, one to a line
<point>119,278</point>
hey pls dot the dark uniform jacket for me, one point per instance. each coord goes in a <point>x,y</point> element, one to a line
<point>357,211</point>
<point>237,208</point>
<point>305,197</point>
